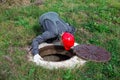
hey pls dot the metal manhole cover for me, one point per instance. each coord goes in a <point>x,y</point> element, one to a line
<point>92,53</point>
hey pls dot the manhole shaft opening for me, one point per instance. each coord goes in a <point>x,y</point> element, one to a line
<point>55,53</point>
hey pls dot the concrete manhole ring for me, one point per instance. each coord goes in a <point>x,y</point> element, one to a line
<point>70,61</point>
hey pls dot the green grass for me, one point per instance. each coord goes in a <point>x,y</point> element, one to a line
<point>97,22</point>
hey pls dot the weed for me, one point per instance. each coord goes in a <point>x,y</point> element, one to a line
<point>68,75</point>
<point>23,22</point>
<point>93,27</point>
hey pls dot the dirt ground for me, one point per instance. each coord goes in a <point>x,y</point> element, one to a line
<point>12,3</point>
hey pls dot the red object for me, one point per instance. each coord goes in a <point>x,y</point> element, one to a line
<point>67,40</point>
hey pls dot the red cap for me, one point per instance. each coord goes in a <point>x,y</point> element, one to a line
<point>67,40</point>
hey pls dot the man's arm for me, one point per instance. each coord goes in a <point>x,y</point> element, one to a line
<point>39,39</point>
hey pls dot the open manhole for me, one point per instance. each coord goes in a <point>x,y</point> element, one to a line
<point>54,56</point>
<point>55,53</point>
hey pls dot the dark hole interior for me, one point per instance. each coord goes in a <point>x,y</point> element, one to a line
<point>55,53</point>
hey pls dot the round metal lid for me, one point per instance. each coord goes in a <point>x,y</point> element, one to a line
<point>92,53</point>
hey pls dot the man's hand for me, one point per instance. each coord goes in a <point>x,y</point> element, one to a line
<point>37,58</point>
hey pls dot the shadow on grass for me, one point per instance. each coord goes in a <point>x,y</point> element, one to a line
<point>37,29</point>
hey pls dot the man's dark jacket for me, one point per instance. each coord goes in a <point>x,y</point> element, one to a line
<point>53,26</point>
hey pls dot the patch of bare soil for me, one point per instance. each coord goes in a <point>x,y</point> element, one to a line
<point>15,2</point>
<point>12,3</point>
<point>12,50</point>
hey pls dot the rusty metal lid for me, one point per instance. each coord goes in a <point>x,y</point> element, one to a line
<point>92,53</point>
